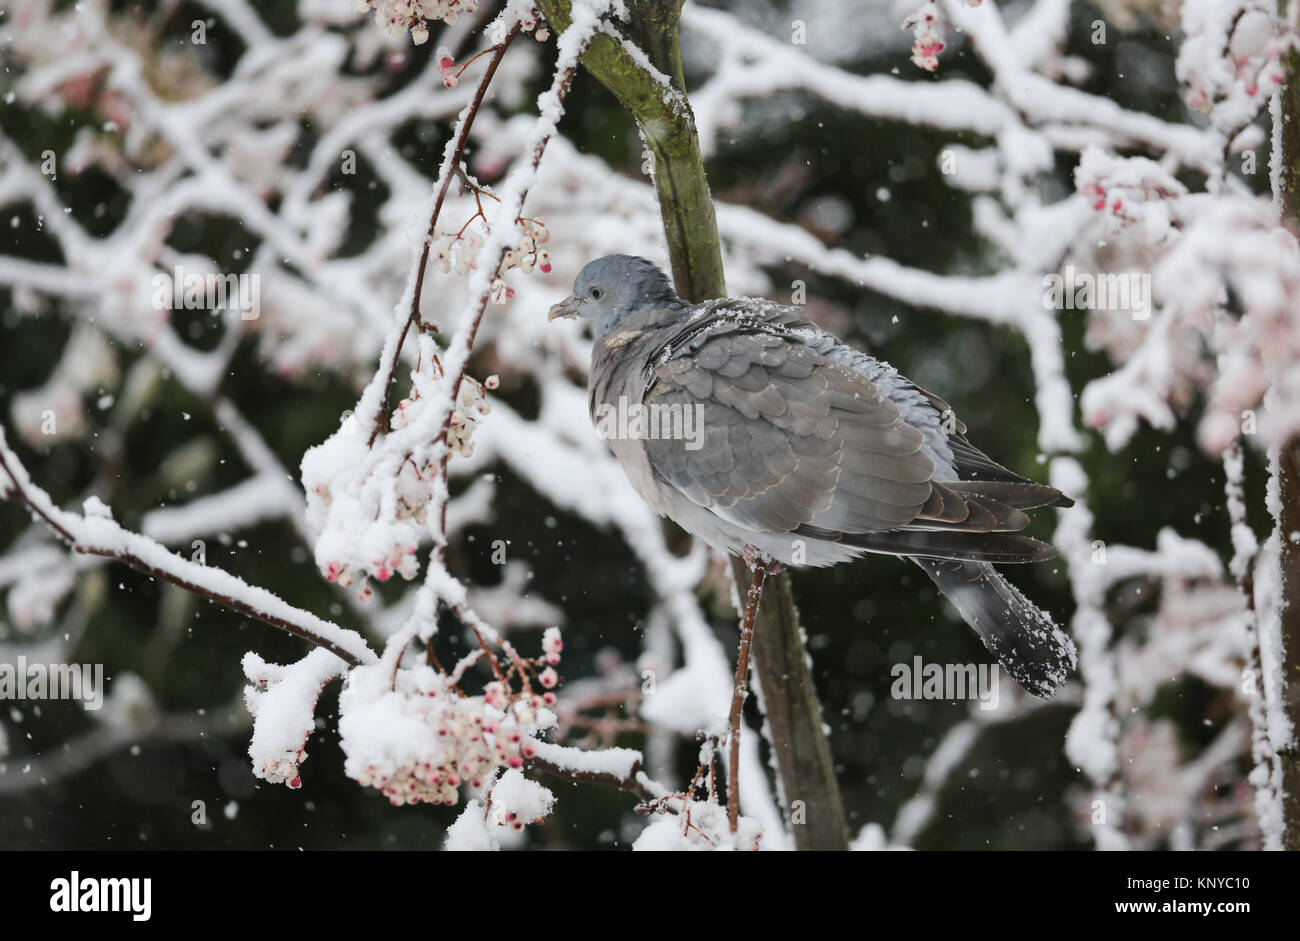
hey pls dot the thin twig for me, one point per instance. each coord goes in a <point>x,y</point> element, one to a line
<point>565,82</point>
<point>458,153</point>
<point>632,783</point>
<point>296,622</point>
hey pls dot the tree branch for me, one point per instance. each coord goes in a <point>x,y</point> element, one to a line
<point>1288,472</point>
<point>448,174</point>
<point>645,75</point>
<point>632,783</point>
<point>100,535</point>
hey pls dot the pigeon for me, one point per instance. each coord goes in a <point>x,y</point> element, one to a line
<point>758,432</point>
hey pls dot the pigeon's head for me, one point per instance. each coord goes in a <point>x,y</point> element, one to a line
<point>614,287</point>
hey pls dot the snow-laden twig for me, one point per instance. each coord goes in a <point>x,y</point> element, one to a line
<point>96,533</point>
<point>451,163</point>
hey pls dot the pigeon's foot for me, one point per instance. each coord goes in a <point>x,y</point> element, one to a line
<point>755,557</point>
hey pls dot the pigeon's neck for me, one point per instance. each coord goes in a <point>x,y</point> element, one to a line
<point>620,354</point>
<point>664,312</point>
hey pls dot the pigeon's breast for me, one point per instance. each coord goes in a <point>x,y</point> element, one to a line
<point>615,390</point>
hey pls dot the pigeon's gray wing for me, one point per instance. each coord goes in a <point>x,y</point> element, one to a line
<point>794,442</point>
<point>779,424</point>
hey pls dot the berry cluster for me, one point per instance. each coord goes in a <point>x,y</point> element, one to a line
<point>528,22</point>
<point>1132,192</point>
<point>532,22</point>
<point>1096,194</point>
<point>552,646</point>
<point>467,742</point>
<point>927,26</point>
<point>402,16</point>
<point>471,405</point>
<point>354,545</point>
<point>386,550</point>
<point>382,551</point>
<point>927,41</point>
<point>279,744</point>
<point>435,737</point>
<point>515,801</point>
<point>459,252</point>
<point>284,770</point>
<point>1256,46</point>
<point>447,66</point>
<point>1264,65</point>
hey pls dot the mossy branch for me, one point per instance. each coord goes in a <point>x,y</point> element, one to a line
<point>657,99</point>
<point>1289,480</point>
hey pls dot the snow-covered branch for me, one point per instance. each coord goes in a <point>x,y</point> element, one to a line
<point>96,533</point>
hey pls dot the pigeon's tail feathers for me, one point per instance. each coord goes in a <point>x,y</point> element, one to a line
<point>982,506</point>
<point>1020,495</point>
<point>1002,548</point>
<point>977,468</point>
<point>951,507</point>
<point>1026,641</point>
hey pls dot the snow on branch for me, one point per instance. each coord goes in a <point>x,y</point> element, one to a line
<point>96,533</point>
<point>282,702</point>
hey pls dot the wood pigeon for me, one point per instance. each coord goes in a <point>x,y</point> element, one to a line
<point>757,431</point>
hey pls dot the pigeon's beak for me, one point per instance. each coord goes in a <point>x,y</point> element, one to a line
<point>566,308</point>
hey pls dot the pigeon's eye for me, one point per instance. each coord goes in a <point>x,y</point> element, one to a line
<point>596,293</point>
